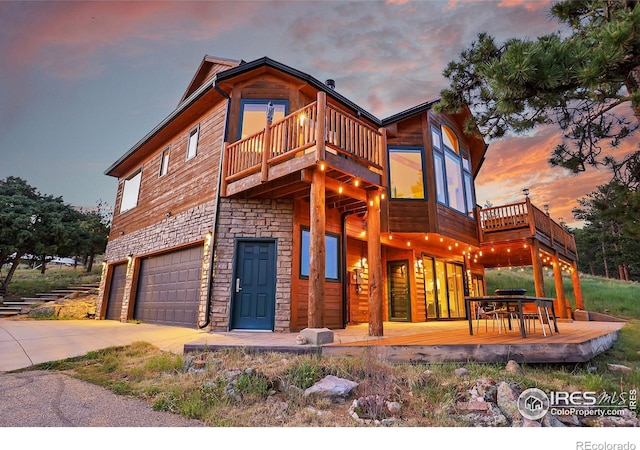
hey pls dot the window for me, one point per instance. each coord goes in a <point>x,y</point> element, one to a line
<point>130,191</point>
<point>332,255</point>
<point>253,115</point>
<point>164,162</point>
<point>192,149</point>
<point>452,167</point>
<point>405,173</point>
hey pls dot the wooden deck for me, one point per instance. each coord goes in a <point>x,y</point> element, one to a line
<point>451,342</point>
<point>437,342</point>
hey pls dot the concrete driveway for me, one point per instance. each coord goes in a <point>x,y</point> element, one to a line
<point>24,343</point>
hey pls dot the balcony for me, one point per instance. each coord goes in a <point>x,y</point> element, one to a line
<point>522,222</point>
<point>272,162</point>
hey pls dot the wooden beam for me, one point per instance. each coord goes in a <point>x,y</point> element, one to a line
<point>317,250</point>
<point>266,151</point>
<point>561,304</point>
<point>577,290</point>
<point>536,262</point>
<point>225,169</point>
<point>374,257</point>
<point>320,126</point>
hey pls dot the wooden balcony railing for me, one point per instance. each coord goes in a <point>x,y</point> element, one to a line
<point>317,127</point>
<point>525,216</point>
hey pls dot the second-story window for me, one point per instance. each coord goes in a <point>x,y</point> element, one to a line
<point>253,115</point>
<point>452,167</point>
<point>406,174</point>
<point>130,191</point>
<point>164,162</point>
<point>192,145</point>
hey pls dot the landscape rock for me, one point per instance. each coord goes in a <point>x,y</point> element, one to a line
<point>513,367</point>
<point>550,420</point>
<point>394,408</point>
<point>528,423</point>
<point>332,387</point>
<point>619,368</point>
<point>507,400</point>
<point>301,340</point>
<point>461,372</point>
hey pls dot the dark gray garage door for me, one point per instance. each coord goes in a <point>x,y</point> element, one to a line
<point>169,288</point>
<point>116,292</point>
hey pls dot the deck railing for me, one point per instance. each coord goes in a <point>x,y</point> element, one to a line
<point>524,215</point>
<point>297,134</point>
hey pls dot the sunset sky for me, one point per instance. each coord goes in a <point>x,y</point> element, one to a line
<point>82,82</point>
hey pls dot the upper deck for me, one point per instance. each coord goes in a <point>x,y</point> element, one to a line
<point>522,221</point>
<point>272,163</point>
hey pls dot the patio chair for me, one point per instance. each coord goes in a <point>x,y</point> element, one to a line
<point>488,313</point>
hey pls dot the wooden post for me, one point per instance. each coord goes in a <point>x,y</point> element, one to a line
<point>577,290</point>
<point>561,304</point>
<point>531,217</point>
<point>374,257</point>
<point>382,158</point>
<point>225,169</point>
<point>266,151</point>
<point>317,259</point>
<point>536,262</point>
<point>320,126</point>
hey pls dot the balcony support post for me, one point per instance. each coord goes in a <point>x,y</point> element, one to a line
<point>266,151</point>
<point>561,303</point>
<point>536,261</point>
<point>317,261</point>
<point>320,126</point>
<point>374,256</point>
<point>225,169</point>
<point>577,290</point>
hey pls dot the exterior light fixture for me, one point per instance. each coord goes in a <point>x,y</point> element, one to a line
<point>167,213</point>
<point>525,191</point>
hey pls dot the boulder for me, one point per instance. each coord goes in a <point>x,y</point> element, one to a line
<point>332,387</point>
<point>317,336</point>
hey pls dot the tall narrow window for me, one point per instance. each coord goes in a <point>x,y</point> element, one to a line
<point>253,116</point>
<point>452,166</point>
<point>405,173</point>
<point>332,254</point>
<point>130,191</point>
<point>164,162</point>
<point>192,149</point>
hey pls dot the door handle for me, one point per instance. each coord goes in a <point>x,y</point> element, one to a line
<point>238,288</point>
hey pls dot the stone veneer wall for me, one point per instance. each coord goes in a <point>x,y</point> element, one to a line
<point>252,219</point>
<point>187,227</point>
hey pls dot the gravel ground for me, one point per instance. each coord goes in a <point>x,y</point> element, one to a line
<point>52,399</point>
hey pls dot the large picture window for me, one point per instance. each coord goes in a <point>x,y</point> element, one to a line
<point>332,255</point>
<point>452,166</point>
<point>253,115</point>
<point>130,191</point>
<point>405,173</point>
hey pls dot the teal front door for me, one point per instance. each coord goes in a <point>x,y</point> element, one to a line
<point>254,286</point>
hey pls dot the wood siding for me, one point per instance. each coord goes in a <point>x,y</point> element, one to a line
<point>300,286</point>
<point>187,183</point>
<point>457,225</point>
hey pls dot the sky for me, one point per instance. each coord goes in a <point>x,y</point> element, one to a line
<point>82,81</point>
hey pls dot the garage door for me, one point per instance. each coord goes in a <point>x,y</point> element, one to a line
<point>169,288</point>
<point>116,292</point>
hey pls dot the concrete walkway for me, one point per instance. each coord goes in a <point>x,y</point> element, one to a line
<point>24,343</point>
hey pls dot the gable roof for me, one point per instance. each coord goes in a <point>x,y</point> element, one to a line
<point>214,70</point>
<point>210,66</point>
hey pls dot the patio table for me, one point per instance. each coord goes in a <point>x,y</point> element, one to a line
<point>518,301</point>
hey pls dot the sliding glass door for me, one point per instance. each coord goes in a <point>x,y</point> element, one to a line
<point>444,288</point>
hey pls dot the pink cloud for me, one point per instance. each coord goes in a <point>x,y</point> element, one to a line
<point>67,39</point>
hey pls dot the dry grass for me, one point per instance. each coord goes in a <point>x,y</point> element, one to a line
<point>269,387</point>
